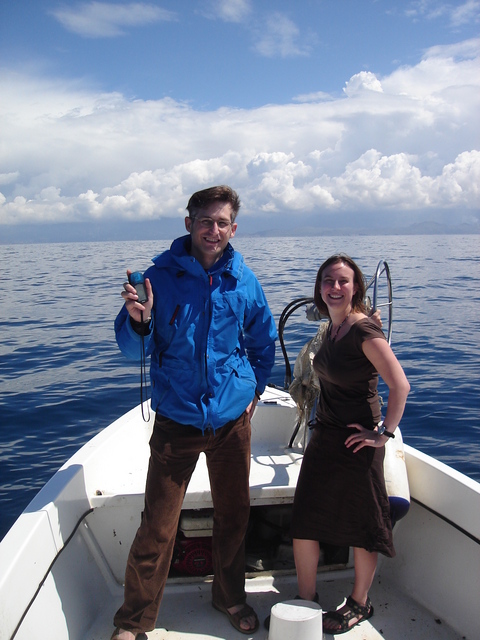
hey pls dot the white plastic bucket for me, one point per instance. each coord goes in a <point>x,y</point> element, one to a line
<point>296,620</point>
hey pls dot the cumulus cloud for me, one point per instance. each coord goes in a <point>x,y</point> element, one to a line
<point>386,182</point>
<point>458,65</point>
<point>108,20</point>
<point>365,80</point>
<point>404,142</point>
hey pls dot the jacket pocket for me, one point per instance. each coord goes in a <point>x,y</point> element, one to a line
<point>237,303</point>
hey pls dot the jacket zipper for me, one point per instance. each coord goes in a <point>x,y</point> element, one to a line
<point>175,313</point>
<point>209,322</point>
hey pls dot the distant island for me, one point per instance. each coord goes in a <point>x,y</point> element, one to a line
<point>169,228</point>
<point>417,229</point>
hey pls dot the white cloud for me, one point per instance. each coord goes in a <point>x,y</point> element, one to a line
<point>280,36</point>
<point>375,181</point>
<point>316,96</point>
<point>442,68</point>
<point>457,15</point>
<point>467,13</point>
<point>464,50</point>
<point>460,180</point>
<point>274,34</point>
<point>426,8</point>
<point>107,20</point>
<point>229,10</point>
<point>363,81</point>
<point>404,142</point>
<point>8,178</point>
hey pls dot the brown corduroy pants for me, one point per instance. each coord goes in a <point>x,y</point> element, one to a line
<point>174,451</point>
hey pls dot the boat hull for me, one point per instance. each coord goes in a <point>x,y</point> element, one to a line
<point>63,560</point>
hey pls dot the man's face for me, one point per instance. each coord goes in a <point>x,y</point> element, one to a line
<point>210,231</point>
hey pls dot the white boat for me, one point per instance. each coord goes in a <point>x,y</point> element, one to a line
<point>62,563</point>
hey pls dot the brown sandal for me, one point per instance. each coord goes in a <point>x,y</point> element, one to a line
<point>342,619</point>
<point>235,618</point>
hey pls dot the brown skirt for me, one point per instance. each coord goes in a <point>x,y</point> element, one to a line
<point>341,497</point>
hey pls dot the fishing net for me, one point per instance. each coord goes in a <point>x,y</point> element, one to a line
<point>305,386</point>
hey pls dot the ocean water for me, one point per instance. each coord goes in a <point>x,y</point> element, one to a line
<point>62,378</point>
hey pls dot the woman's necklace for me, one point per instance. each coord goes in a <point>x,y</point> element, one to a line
<point>334,337</point>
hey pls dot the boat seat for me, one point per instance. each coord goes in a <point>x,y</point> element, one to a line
<point>122,466</point>
<point>116,515</point>
<point>273,478</point>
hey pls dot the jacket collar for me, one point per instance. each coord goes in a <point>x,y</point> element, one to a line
<point>231,262</point>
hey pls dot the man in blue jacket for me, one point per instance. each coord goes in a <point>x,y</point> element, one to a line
<point>211,337</point>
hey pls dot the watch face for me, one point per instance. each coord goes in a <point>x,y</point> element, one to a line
<point>381,429</point>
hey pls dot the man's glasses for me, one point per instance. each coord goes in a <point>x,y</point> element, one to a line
<point>208,223</point>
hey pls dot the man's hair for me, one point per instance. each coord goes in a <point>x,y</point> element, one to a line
<point>358,279</point>
<point>201,199</point>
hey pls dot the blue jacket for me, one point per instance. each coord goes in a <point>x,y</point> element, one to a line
<point>212,338</point>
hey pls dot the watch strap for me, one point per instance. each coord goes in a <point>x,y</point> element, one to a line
<point>382,430</point>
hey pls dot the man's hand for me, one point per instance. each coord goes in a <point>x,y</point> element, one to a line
<point>137,311</point>
<point>250,410</point>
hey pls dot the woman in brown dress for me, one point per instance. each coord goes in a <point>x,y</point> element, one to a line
<point>340,497</point>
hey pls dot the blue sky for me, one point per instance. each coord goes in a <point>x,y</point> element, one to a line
<point>333,112</point>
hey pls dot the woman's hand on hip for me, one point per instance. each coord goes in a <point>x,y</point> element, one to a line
<point>363,438</point>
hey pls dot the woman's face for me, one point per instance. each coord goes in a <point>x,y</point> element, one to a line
<point>338,286</point>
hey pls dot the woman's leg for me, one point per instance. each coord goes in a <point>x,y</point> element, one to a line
<point>365,567</point>
<point>307,555</point>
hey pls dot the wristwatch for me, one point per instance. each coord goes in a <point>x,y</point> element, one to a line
<point>382,430</point>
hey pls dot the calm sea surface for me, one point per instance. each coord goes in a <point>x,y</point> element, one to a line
<point>62,378</point>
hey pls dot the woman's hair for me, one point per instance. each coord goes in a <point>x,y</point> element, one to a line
<point>357,301</point>
<point>201,199</point>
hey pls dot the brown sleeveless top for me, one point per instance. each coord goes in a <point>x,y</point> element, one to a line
<point>348,380</point>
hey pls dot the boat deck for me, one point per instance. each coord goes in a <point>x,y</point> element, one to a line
<point>85,518</point>
<point>187,614</point>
